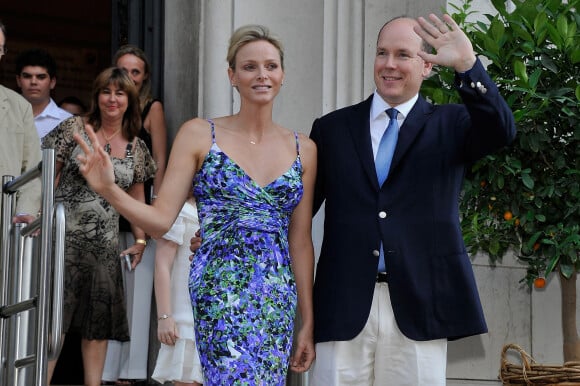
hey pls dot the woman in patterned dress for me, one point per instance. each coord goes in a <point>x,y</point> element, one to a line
<point>254,183</point>
<point>94,304</point>
<point>126,362</point>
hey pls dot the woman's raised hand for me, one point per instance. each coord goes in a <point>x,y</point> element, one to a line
<point>94,163</point>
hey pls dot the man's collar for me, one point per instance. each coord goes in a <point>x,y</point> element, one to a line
<point>379,105</point>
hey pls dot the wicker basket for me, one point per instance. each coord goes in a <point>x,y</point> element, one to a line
<point>531,373</point>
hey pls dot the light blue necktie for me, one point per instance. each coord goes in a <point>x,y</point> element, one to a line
<point>387,147</point>
<point>383,161</point>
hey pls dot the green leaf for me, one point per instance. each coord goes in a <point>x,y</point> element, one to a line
<point>497,29</point>
<point>494,247</point>
<point>491,47</point>
<point>549,63</point>
<point>533,239</point>
<point>521,32</point>
<point>555,36</point>
<point>552,264</point>
<point>535,77</point>
<point>572,38</point>
<point>540,22</point>
<point>540,217</point>
<point>528,181</point>
<point>562,25</point>
<point>567,270</point>
<point>520,70</point>
<point>534,143</point>
<point>500,181</point>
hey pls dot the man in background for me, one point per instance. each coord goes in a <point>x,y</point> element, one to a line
<point>20,145</point>
<point>36,78</point>
<point>73,105</point>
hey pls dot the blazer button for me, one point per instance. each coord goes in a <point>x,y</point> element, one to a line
<point>383,214</point>
<point>376,253</point>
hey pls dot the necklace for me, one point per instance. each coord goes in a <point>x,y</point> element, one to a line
<point>255,141</point>
<point>108,139</point>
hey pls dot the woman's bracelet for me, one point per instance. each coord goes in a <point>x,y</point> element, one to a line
<point>163,317</point>
<point>141,241</point>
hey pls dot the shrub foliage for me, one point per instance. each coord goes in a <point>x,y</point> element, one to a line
<point>527,196</point>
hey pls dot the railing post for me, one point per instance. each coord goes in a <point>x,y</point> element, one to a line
<point>44,279</point>
<point>26,284</point>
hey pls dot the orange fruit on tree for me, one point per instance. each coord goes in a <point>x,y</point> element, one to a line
<point>507,215</point>
<point>540,282</point>
<point>536,246</point>
<point>517,222</point>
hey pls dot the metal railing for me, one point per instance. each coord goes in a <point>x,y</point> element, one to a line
<point>31,281</point>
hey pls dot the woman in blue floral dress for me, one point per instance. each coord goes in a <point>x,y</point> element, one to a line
<point>253,181</point>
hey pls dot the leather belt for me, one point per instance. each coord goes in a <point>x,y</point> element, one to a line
<point>382,277</point>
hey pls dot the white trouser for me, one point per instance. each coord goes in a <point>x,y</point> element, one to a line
<point>380,355</point>
<point>128,360</point>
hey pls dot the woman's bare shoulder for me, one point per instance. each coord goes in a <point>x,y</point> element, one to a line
<point>194,134</point>
<point>306,144</point>
<point>196,126</point>
<point>156,107</point>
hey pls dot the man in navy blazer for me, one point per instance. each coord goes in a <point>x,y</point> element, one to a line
<point>390,326</point>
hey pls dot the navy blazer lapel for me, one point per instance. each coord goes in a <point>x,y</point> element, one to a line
<point>359,126</point>
<point>413,125</point>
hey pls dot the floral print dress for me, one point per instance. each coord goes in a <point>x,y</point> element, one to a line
<point>241,284</point>
<point>94,301</point>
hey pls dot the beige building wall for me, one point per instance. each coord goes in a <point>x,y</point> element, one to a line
<point>329,48</point>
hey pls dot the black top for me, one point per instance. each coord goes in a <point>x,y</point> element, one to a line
<point>124,225</point>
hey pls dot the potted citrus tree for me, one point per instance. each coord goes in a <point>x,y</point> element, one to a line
<point>526,198</point>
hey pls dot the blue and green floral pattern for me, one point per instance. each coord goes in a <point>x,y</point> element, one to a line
<point>241,283</point>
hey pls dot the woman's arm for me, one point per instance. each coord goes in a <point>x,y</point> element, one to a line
<point>57,169</point>
<point>155,125</point>
<point>164,258</point>
<point>302,254</point>
<point>189,149</point>
<point>137,191</point>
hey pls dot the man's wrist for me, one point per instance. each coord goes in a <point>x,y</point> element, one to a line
<point>465,68</point>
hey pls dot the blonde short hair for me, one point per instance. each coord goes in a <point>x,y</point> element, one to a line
<point>248,34</point>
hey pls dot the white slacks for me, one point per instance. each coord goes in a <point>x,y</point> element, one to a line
<point>380,355</point>
<point>128,360</point>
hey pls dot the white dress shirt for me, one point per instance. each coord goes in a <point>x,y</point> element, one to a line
<point>49,118</point>
<point>379,119</point>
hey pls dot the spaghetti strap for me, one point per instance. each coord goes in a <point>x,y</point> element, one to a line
<point>212,130</point>
<point>297,143</point>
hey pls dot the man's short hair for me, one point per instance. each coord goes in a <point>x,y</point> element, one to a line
<point>36,57</point>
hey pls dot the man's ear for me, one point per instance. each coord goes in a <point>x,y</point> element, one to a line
<point>427,67</point>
